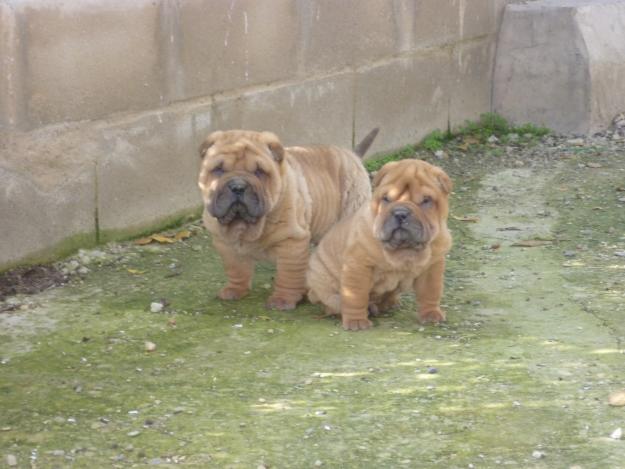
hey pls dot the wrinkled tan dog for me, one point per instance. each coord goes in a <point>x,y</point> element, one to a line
<point>395,243</point>
<point>264,201</point>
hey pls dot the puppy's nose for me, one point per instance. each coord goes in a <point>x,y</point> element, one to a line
<point>400,213</point>
<point>237,186</point>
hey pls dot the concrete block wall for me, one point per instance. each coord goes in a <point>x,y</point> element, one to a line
<point>104,103</point>
<point>561,63</point>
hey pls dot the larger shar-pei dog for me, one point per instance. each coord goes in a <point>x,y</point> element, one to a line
<point>265,201</point>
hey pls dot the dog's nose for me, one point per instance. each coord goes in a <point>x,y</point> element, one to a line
<point>237,186</point>
<point>400,213</point>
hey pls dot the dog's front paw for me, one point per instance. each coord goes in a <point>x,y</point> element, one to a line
<point>231,293</point>
<point>356,324</point>
<point>281,303</point>
<point>432,316</point>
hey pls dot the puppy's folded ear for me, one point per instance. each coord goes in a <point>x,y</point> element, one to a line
<point>383,171</point>
<point>444,182</point>
<point>210,140</point>
<point>275,146</point>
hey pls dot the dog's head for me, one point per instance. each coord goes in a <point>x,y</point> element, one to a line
<point>409,205</point>
<point>241,178</point>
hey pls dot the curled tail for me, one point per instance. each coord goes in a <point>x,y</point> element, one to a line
<point>366,142</point>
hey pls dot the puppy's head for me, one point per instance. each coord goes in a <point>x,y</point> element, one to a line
<point>409,205</point>
<point>241,178</point>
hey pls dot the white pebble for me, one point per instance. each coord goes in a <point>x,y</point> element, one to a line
<point>133,433</point>
<point>156,307</point>
<point>11,460</point>
<point>150,346</point>
<point>617,434</point>
<point>538,454</point>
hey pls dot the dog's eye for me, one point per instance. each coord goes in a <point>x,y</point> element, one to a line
<point>386,199</point>
<point>259,172</point>
<point>426,202</point>
<point>218,170</point>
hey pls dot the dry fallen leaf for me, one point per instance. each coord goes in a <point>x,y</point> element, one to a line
<point>467,219</point>
<point>184,234</point>
<point>617,398</point>
<point>163,239</point>
<point>136,272</point>
<point>531,243</point>
<point>143,241</point>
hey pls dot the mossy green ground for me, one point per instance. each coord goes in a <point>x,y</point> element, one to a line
<point>532,348</point>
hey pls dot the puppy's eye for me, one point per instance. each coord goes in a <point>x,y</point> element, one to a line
<point>259,173</point>
<point>386,199</point>
<point>426,202</point>
<point>218,170</point>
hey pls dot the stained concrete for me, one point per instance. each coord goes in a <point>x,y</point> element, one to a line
<point>561,64</point>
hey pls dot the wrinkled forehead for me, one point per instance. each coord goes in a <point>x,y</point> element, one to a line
<point>237,152</point>
<point>410,178</point>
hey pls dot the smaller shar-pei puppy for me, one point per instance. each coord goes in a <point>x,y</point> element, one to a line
<point>395,243</point>
<point>265,201</point>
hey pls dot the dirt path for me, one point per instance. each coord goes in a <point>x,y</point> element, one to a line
<point>518,377</point>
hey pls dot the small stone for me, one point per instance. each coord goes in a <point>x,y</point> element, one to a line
<point>440,154</point>
<point>620,253</point>
<point>318,463</point>
<point>155,461</point>
<point>261,466</point>
<point>11,460</point>
<point>133,433</point>
<point>492,139</point>
<point>150,346</point>
<point>617,434</point>
<point>432,370</point>
<point>57,452</point>
<point>156,307</point>
<point>83,270</point>
<point>617,398</point>
<point>576,142</point>
<point>538,454</point>
<point>569,253</point>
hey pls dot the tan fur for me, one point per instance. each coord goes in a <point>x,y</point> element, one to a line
<point>351,271</point>
<point>306,191</point>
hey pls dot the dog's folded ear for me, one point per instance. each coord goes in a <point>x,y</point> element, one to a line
<point>444,182</point>
<point>210,140</point>
<point>383,171</point>
<point>275,146</point>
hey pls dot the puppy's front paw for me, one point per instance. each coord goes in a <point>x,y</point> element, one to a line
<point>356,324</point>
<point>280,302</point>
<point>230,293</point>
<point>432,316</point>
